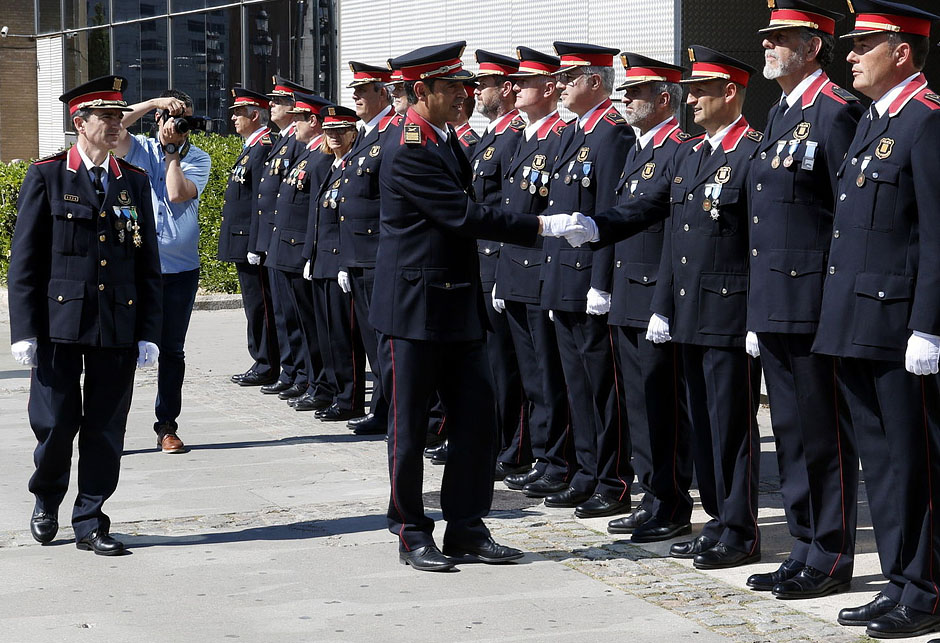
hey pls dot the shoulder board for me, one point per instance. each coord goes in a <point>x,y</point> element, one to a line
<point>51,157</point>
<point>518,124</point>
<point>680,137</point>
<point>613,116</point>
<point>469,138</point>
<point>266,140</point>
<point>755,136</point>
<point>559,127</point>
<point>130,166</point>
<point>411,134</point>
<point>929,99</point>
<point>840,95</point>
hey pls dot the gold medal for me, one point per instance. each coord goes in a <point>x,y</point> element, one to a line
<point>860,181</point>
<point>787,162</point>
<point>775,163</point>
<point>326,203</point>
<point>707,204</point>
<point>543,191</point>
<point>524,185</point>
<point>567,179</point>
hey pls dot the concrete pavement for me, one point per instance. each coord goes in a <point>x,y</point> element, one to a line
<point>272,529</point>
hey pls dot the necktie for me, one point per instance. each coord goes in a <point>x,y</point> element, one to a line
<point>705,153</point>
<point>99,186</point>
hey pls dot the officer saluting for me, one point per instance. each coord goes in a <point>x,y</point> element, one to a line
<point>84,289</point>
<point>880,313</point>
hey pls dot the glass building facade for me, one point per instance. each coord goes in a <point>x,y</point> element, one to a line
<point>201,47</point>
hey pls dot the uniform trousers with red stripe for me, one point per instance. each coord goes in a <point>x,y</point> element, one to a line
<point>723,393</point>
<point>340,343</point>
<point>595,395</point>
<point>412,370</point>
<point>895,416</point>
<point>259,312</point>
<point>658,417</point>
<point>816,452</point>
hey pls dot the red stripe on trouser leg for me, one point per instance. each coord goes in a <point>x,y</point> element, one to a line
<point>401,537</point>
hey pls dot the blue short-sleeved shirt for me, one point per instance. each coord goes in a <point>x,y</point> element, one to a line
<point>177,224</point>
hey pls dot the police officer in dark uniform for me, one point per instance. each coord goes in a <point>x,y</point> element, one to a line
<point>791,185</point>
<point>526,183</point>
<point>880,314</point>
<point>657,412</point>
<point>489,160</point>
<point>250,118</point>
<point>292,381</point>
<point>359,219</point>
<point>428,308</point>
<point>576,284</point>
<point>85,296</point>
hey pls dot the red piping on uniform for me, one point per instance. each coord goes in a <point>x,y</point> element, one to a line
<point>401,532</point>
<point>835,401</point>
<point>626,485</point>
<point>750,454</point>
<point>923,406</point>
<point>352,335</point>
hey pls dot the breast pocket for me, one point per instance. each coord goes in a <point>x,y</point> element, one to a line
<point>66,300</point>
<point>448,303</point>
<point>882,309</point>
<point>722,304</point>
<point>722,219</point>
<point>291,249</point>
<point>575,274</point>
<point>72,228</point>
<point>795,283</point>
<point>677,198</point>
<point>125,313</point>
<point>881,183</point>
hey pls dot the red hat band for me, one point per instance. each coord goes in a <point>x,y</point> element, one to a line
<point>703,71</point>
<point>784,18</point>
<point>431,70</point>
<point>592,60</point>
<point>87,100</point>
<point>494,69</point>
<point>371,77</point>
<point>248,100</point>
<point>307,107</point>
<point>535,67</point>
<point>281,90</point>
<point>350,120</point>
<point>654,74</point>
<point>897,24</point>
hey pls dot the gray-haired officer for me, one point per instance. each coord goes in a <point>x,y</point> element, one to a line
<point>84,291</point>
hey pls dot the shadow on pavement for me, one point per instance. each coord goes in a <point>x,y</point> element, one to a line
<point>248,444</point>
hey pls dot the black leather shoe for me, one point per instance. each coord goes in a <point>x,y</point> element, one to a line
<point>503,470</point>
<point>487,551</point>
<point>627,524</point>
<point>599,505</point>
<point>43,526</point>
<point>335,414</point>
<point>291,392</point>
<point>903,622</point>
<point>426,559</point>
<point>101,543</point>
<point>692,548</point>
<point>656,530</point>
<point>255,379</point>
<point>439,454</point>
<point>863,614</point>
<point>311,403</point>
<point>809,583</point>
<point>237,377</point>
<point>722,557</point>
<point>544,486</point>
<point>518,480</point>
<point>766,582</point>
<point>277,387</point>
<point>353,423</point>
<point>430,452</point>
<point>566,499</point>
<point>374,426</point>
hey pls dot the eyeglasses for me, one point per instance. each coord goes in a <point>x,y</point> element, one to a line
<point>569,78</point>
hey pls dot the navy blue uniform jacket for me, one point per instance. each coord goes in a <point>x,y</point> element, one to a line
<point>241,198</point>
<point>275,168</point>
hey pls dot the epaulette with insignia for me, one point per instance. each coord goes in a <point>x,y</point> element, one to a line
<point>613,116</point>
<point>934,99</point>
<point>681,137</point>
<point>469,138</point>
<point>131,166</point>
<point>755,136</point>
<point>266,140</point>
<point>559,127</point>
<point>518,123</point>
<point>51,157</point>
<point>411,134</point>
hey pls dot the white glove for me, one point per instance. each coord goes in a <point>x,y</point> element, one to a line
<point>587,231</point>
<point>750,344</point>
<point>598,302</point>
<point>499,305</point>
<point>551,315</point>
<point>923,352</point>
<point>147,354</point>
<point>658,329</point>
<point>254,259</point>
<point>343,278</point>
<point>559,225</point>
<point>307,271</point>
<point>24,352</point>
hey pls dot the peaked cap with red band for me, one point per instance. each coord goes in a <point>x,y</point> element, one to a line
<point>495,64</point>
<point>577,54</point>
<point>364,74</point>
<point>535,63</point>
<point>641,69</point>
<point>284,87</point>
<point>787,14</point>
<point>242,97</point>
<point>106,92</point>
<point>337,116</point>
<point>708,64</point>
<point>433,62</point>
<point>305,103</point>
<point>873,16</point>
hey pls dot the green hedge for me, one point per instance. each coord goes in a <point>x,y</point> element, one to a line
<point>216,276</point>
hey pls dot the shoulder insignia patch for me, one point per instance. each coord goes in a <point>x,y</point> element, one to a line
<point>266,140</point>
<point>843,94</point>
<point>131,166</point>
<point>613,116</point>
<point>560,127</point>
<point>933,98</point>
<point>755,136</point>
<point>51,157</point>
<point>412,133</point>
<point>518,123</point>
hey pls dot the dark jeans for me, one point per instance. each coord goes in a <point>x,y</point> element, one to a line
<point>179,294</point>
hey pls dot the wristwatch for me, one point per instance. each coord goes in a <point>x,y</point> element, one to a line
<point>171,148</point>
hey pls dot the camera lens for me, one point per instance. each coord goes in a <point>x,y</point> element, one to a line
<point>182,125</point>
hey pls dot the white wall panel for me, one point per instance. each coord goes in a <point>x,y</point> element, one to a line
<point>49,81</point>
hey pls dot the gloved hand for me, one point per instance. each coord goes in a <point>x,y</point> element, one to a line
<point>308,274</point>
<point>658,329</point>
<point>923,352</point>
<point>147,354</point>
<point>750,344</point>
<point>343,278</point>
<point>254,259</point>
<point>558,225</point>
<point>585,233</point>
<point>499,305</point>
<point>598,302</point>
<point>551,315</point>
<point>24,352</point>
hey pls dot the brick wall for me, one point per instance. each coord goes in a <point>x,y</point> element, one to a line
<point>19,125</point>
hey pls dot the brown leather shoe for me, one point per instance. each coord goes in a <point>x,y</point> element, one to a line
<point>169,443</point>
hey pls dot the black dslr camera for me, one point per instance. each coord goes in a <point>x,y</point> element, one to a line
<point>185,124</point>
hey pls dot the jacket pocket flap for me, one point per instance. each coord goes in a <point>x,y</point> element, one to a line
<point>63,290</point>
<point>882,171</point>
<point>677,194</point>
<point>641,273</point>
<point>66,210</point>
<point>125,295</point>
<point>729,195</point>
<point>724,284</point>
<point>797,263</point>
<point>884,287</point>
<point>575,260</point>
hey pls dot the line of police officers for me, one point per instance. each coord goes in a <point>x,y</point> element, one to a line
<point>624,345</point>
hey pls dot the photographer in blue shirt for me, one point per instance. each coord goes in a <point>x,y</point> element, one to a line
<point>178,174</point>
